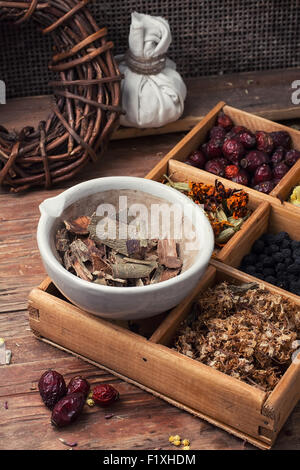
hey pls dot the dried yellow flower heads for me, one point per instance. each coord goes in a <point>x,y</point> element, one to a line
<point>176,441</point>
<point>90,402</point>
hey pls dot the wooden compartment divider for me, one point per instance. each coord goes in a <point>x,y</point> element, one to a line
<point>286,185</point>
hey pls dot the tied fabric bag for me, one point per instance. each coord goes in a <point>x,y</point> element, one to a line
<point>153,92</point>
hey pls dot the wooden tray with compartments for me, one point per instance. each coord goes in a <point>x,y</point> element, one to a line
<point>141,352</point>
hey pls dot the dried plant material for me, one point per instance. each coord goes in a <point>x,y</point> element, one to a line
<point>244,331</point>
<point>62,240</point>
<point>82,271</point>
<point>119,263</point>
<point>78,226</point>
<point>167,254</point>
<point>69,444</point>
<point>132,270</point>
<point>168,274</point>
<point>226,208</point>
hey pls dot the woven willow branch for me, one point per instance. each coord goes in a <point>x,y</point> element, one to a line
<point>86,103</point>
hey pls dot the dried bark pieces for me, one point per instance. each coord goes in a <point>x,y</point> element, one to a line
<point>244,331</point>
<point>113,262</point>
<point>167,254</point>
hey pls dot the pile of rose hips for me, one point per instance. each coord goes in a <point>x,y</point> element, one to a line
<point>66,402</point>
<point>258,160</point>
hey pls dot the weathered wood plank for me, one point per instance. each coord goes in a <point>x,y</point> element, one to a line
<point>266,93</point>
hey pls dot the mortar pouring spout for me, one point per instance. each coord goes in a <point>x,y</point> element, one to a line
<point>53,206</point>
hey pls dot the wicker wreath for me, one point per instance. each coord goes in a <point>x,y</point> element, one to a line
<point>86,104</point>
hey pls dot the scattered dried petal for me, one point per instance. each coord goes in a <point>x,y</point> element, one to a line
<point>69,444</point>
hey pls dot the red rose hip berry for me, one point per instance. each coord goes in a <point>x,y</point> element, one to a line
<point>281,139</point>
<point>224,121</point>
<point>214,148</point>
<point>52,387</point>
<point>280,170</point>
<point>265,187</point>
<point>78,384</point>
<point>233,150</point>
<point>277,156</point>
<point>217,132</point>
<point>247,139</point>
<point>262,173</point>
<point>241,178</point>
<point>197,159</point>
<point>264,141</point>
<point>105,394</point>
<point>67,410</point>
<point>215,166</point>
<point>231,171</point>
<point>292,156</point>
<point>253,160</point>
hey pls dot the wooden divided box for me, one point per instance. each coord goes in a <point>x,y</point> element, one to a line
<point>142,354</point>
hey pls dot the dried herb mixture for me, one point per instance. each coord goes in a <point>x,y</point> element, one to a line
<point>244,331</point>
<point>226,209</point>
<point>115,262</point>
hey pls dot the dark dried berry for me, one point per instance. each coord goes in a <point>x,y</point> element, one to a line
<point>203,149</point>
<point>292,156</point>
<point>267,261</point>
<point>224,121</point>
<point>105,394</point>
<point>280,267</point>
<point>197,159</point>
<point>253,160</point>
<point>214,148</point>
<point>281,139</point>
<point>67,409</point>
<point>249,259</point>
<point>258,246</point>
<point>215,167</point>
<point>277,156</point>
<point>262,173</point>
<point>217,132</point>
<point>78,384</point>
<point>239,129</point>
<point>280,170</point>
<point>52,387</point>
<point>231,135</point>
<point>270,279</point>
<point>294,269</point>
<point>241,178</point>
<point>265,187</point>
<point>233,150</point>
<point>223,161</point>
<point>250,269</point>
<point>264,141</point>
<point>247,139</point>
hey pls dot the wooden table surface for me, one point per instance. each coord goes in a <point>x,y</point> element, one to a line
<point>140,420</point>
